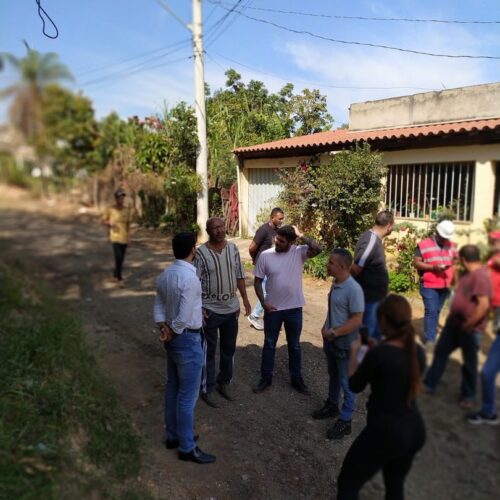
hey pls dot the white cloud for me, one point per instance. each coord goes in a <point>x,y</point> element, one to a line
<point>352,66</point>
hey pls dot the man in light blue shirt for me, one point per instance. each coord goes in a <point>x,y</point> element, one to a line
<point>177,313</point>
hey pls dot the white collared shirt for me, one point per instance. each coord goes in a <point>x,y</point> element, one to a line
<point>178,297</point>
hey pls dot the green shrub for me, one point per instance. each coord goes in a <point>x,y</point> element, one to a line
<point>399,282</point>
<point>11,173</point>
<point>316,266</point>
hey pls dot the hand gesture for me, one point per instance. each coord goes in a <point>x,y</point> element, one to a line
<point>297,232</point>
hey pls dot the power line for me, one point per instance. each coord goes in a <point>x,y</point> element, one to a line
<point>363,18</point>
<point>319,84</point>
<point>132,71</point>
<point>218,25</point>
<point>92,69</point>
<point>365,44</point>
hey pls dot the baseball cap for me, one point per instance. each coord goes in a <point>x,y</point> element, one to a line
<point>446,229</point>
<point>120,192</point>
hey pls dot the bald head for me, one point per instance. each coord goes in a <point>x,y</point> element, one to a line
<point>216,229</point>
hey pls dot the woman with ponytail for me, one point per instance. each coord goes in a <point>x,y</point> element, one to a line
<point>394,431</point>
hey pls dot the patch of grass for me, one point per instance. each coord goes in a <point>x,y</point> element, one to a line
<point>63,432</point>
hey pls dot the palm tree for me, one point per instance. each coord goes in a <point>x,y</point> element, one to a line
<point>35,70</point>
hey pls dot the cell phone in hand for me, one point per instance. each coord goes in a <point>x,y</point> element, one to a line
<point>363,332</point>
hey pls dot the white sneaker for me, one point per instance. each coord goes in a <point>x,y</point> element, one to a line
<point>255,322</point>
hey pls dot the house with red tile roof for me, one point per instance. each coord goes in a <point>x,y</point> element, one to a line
<point>442,149</point>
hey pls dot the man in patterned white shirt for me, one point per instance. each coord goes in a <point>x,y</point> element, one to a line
<point>221,273</point>
<point>177,313</point>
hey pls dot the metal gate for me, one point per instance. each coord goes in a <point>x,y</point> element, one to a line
<point>263,188</point>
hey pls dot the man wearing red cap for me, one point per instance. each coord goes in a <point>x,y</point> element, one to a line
<point>434,260</point>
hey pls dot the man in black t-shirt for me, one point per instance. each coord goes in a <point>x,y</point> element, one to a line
<point>370,270</point>
<point>263,240</point>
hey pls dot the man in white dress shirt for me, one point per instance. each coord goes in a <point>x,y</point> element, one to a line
<point>177,313</point>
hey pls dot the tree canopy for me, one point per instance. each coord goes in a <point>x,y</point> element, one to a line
<point>35,71</point>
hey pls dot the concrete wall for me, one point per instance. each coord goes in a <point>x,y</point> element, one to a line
<point>465,103</point>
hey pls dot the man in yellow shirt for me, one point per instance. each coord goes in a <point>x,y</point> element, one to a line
<point>117,218</point>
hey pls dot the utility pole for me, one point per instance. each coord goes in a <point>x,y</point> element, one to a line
<point>201,119</point>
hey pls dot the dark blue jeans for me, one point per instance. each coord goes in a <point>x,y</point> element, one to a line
<point>490,371</point>
<point>338,371</point>
<point>224,326</point>
<point>184,363</point>
<point>292,320</point>
<point>370,320</point>
<point>452,337</point>
<point>433,303</point>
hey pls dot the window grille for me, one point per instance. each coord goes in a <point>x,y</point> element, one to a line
<point>422,191</point>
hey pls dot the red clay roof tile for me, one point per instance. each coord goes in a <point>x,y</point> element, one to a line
<point>346,137</point>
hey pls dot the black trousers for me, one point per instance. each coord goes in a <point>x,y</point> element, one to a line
<point>388,444</point>
<point>224,326</point>
<point>119,250</point>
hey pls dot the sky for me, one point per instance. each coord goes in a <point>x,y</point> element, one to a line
<point>135,58</point>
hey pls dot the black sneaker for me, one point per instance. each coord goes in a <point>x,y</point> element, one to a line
<point>327,411</point>
<point>223,390</point>
<point>209,399</point>
<point>340,429</point>
<point>479,418</point>
<point>262,386</point>
<point>300,386</point>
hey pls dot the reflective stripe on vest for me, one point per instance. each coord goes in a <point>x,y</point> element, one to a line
<point>435,255</point>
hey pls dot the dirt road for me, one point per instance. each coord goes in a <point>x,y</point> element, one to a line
<point>267,445</point>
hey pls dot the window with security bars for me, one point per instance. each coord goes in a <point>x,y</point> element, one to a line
<point>423,190</point>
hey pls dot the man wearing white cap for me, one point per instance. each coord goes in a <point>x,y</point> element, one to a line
<point>435,259</point>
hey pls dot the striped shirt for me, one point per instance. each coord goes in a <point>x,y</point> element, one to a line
<point>219,274</point>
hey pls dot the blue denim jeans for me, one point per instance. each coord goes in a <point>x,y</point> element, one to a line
<point>453,337</point>
<point>433,303</point>
<point>292,320</point>
<point>184,363</point>
<point>258,309</point>
<point>224,327</point>
<point>370,320</point>
<point>338,365</point>
<point>490,371</point>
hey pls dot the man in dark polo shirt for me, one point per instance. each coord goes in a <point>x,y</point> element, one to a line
<point>263,240</point>
<point>370,270</point>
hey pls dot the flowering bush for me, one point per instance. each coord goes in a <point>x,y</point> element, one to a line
<point>405,237</point>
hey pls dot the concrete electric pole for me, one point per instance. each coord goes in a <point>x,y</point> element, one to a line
<point>202,158</point>
<point>196,29</point>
